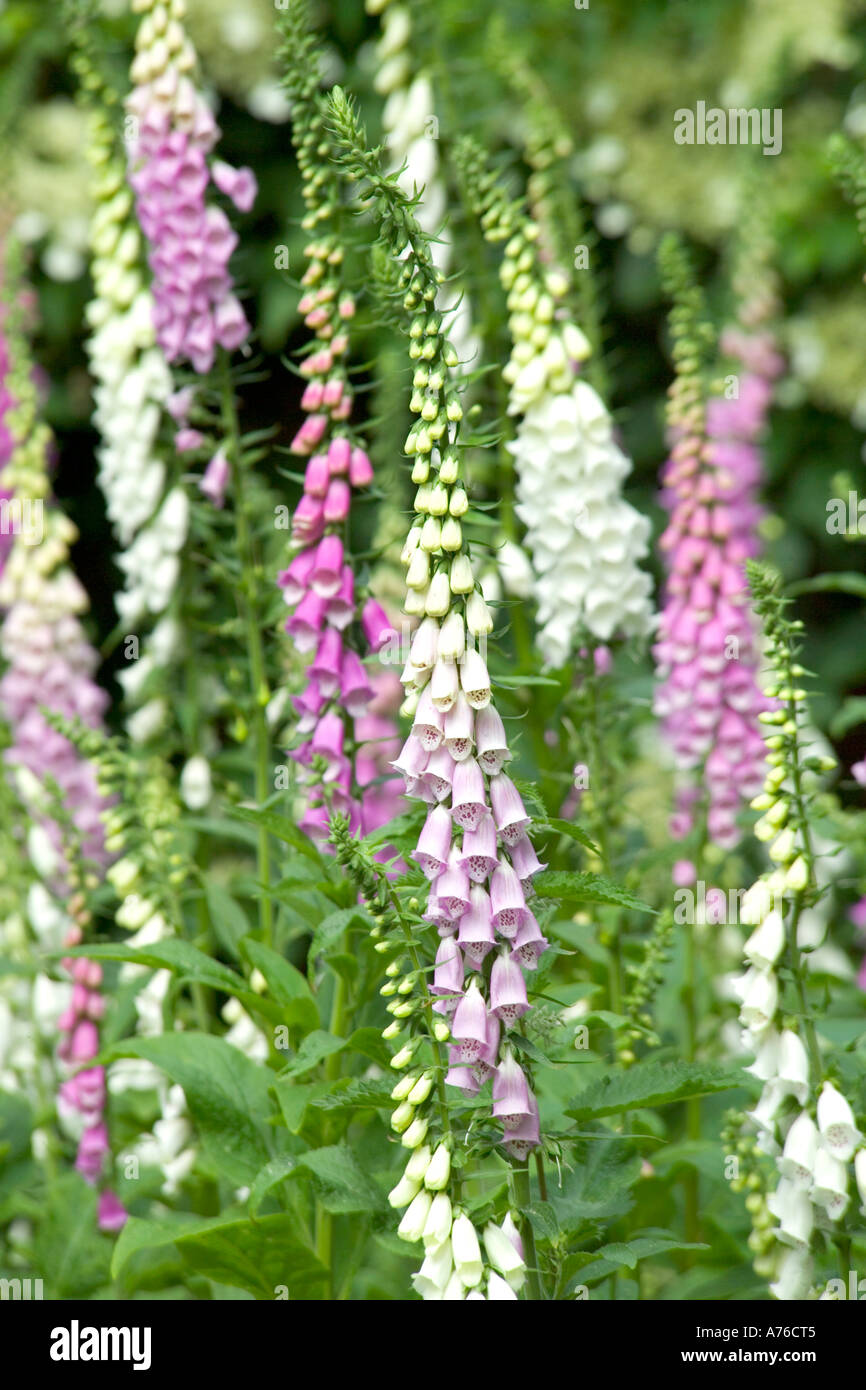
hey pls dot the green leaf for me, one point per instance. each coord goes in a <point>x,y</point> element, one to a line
<point>227,917</point>
<point>270,1177</point>
<point>227,1095</point>
<point>70,1253</point>
<point>588,888</point>
<point>315,1047</point>
<point>181,957</point>
<point>574,832</point>
<point>332,928</point>
<point>281,828</point>
<point>842,582</point>
<point>294,1099</point>
<point>343,1184</point>
<point>258,1256</point>
<point>287,985</point>
<point>349,1094</point>
<point>852,713</point>
<point>627,1254</point>
<point>650,1084</point>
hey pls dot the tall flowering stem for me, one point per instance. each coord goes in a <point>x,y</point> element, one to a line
<point>347,740</point>
<point>49,667</point>
<point>803,1120</point>
<point>584,539</point>
<point>474,849</point>
<point>707,652</point>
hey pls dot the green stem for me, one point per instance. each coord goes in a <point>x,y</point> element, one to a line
<point>252,629</point>
<point>523,1201</point>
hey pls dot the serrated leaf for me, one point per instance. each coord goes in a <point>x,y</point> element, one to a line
<point>574,832</point>
<point>332,928</point>
<point>258,1256</point>
<point>650,1084</point>
<point>586,888</point>
<point>627,1254</point>
<point>314,1049</point>
<point>227,1095</point>
<point>350,1094</point>
<point>270,1177</point>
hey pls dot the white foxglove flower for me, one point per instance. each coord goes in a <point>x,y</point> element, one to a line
<point>503,1256</point>
<point>793,1210</point>
<point>195,783</point>
<point>437,1226</point>
<point>433,1276</point>
<point>836,1123</point>
<point>767,942</point>
<point>801,1147</point>
<point>793,1276</point>
<point>860,1175</point>
<point>760,997</point>
<point>404,1193</point>
<point>830,1185</point>
<point>414,1218</point>
<point>793,1066</point>
<point>498,1290</point>
<point>468,1264</point>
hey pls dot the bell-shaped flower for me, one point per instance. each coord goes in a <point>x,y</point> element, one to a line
<point>466,1252</point>
<point>830,1184</point>
<point>415,1217</point>
<point>503,1255</point>
<point>801,1147</point>
<point>437,1226</point>
<point>507,990</point>
<point>836,1123</point>
<point>767,942</point>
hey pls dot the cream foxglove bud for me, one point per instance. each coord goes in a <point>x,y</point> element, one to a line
<point>195,783</point>
<point>797,876</point>
<point>438,598</point>
<point>411,545</point>
<point>765,945</point>
<point>757,902</point>
<point>466,1252</point>
<point>438,1224</point>
<point>416,1133</point>
<point>475,680</point>
<point>760,998</point>
<point>784,847</point>
<point>418,573</point>
<point>452,534</point>
<point>402,1117</point>
<point>439,1171</point>
<point>431,534</point>
<point>479,619</point>
<point>452,639</point>
<point>403,1087</point>
<point>415,1217</point>
<point>462,580</point>
<point>836,1123</point>
<point>793,1066</point>
<point>418,1164</point>
<point>498,1291</point>
<point>421,1090</point>
<point>405,1192</point>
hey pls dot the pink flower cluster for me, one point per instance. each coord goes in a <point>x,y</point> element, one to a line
<point>476,853</point>
<point>707,653</point>
<point>190,242</point>
<point>343,710</point>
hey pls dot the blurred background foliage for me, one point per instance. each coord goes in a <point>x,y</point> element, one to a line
<point>594,90</point>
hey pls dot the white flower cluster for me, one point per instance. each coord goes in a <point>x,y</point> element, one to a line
<point>454,1267</point>
<point>584,539</point>
<point>811,1152</point>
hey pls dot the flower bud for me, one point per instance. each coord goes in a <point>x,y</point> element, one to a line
<point>439,1171</point>
<point>415,1217</point>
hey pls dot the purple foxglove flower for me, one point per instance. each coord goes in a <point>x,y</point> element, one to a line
<point>186,440</point>
<point>84,1043</point>
<point>377,629</point>
<point>356,690</point>
<point>317,475</point>
<point>439,773</point>
<point>434,843</point>
<point>479,853</point>
<point>238,184</point>
<point>339,455</point>
<point>309,435</point>
<point>508,809</point>
<point>492,743</point>
<point>452,888</point>
<point>485,1066</point>
<point>294,580</point>
<point>437,913</point>
<point>327,740</point>
<point>112,1215</point>
<point>326,665</point>
<point>460,1073</point>
<point>459,728</point>
<point>412,759</point>
<point>448,975</point>
<point>337,502</point>
<point>528,943</point>
<point>525,860</point>
<point>179,404</point>
<point>308,706</point>
<point>475,933</point>
<point>214,480</point>
<point>507,990</point>
<point>360,469</point>
<point>519,1142</point>
<point>444,685</point>
<point>327,572</point>
<point>428,723</point>
<point>468,801</point>
<point>92,1148</point>
<point>507,900</point>
<point>511,1094</point>
<point>469,1028</point>
<point>311,400</point>
<point>308,521</point>
<point>340,609</point>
